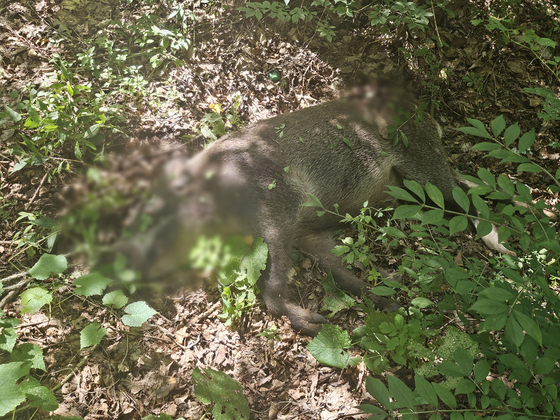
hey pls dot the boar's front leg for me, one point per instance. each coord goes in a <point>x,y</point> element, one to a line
<point>273,285</point>
<point>320,245</point>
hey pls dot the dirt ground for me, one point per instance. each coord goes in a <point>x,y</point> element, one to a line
<point>136,372</point>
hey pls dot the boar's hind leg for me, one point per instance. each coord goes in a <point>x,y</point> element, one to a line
<point>273,286</point>
<point>320,245</point>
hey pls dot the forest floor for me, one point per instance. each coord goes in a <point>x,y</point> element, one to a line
<point>136,372</point>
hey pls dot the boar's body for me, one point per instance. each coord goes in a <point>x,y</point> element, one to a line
<point>337,151</point>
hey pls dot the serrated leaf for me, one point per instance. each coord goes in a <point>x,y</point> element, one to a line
<point>30,353</point>
<point>435,195</point>
<point>426,390</point>
<point>137,314</point>
<point>48,264</point>
<point>445,395</point>
<point>328,347</point>
<point>526,140</point>
<point>91,335</point>
<point>255,261</point>
<point>511,134</point>
<point>91,284</point>
<point>498,125</point>
<point>211,386</point>
<point>34,299</point>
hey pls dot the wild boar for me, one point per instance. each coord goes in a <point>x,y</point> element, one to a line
<point>255,180</point>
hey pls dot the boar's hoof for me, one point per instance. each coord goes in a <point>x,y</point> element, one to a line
<point>303,320</point>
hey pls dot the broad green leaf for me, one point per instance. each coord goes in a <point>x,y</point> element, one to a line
<point>489,307</point>
<point>529,326</point>
<point>14,115</point>
<point>529,167</point>
<point>464,386</point>
<point>464,360</point>
<point>458,224</point>
<point>486,146</point>
<point>255,261</point>
<point>313,202</point>
<point>514,332</point>
<point>48,264</point>
<point>507,156</point>
<point>524,192</point>
<point>401,393</point>
<point>91,284</point>
<point>38,395</point>
<point>421,302</point>
<point>497,293</point>
<point>406,211</point>
<point>213,387</point>
<point>382,291</point>
<point>32,353</point>
<point>544,366</point>
<point>329,345</point>
<point>378,391</point>
<point>445,395</point>
<point>505,184</point>
<point>34,299</point>
<point>426,390</point>
<point>512,361</point>
<point>372,409</point>
<point>483,228</point>
<point>416,188</point>
<point>511,134</point>
<point>435,195</point>
<point>91,335</point>
<point>137,314</point>
<point>116,299</point>
<point>401,194</point>
<point>526,140</point>
<point>392,231</point>
<point>433,217</point>
<point>481,370</point>
<point>487,177</point>
<point>481,206</point>
<point>12,393</point>
<point>449,368</point>
<point>498,125</point>
<point>461,198</point>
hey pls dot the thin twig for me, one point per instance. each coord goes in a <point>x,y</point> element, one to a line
<point>36,191</point>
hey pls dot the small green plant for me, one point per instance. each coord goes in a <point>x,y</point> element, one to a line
<point>475,82</point>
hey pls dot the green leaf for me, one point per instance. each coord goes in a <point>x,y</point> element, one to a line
<point>91,284</point>
<point>489,307</point>
<point>421,302</point>
<point>415,188</point>
<point>255,261</point>
<point>481,370</point>
<point>462,199</point>
<point>487,177</point>
<point>483,228</point>
<point>12,392</point>
<point>458,224</point>
<point>328,347</point>
<point>449,368</point>
<point>115,299</point>
<point>435,195</point>
<point>382,291</point>
<point>544,366</point>
<point>347,142</point>
<point>13,114</point>
<point>486,146</point>
<point>392,231</point>
<point>211,386</point>
<point>378,391</point>
<point>529,167</point>
<point>313,202</point>
<point>372,409</point>
<point>526,140</point>
<point>32,353</point>
<point>512,361</point>
<point>91,335</point>
<point>498,294</point>
<point>138,313</point>
<point>529,326</point>
<point>481,206</point>
<point>34,299</point>
<point>432,216</point>
<point>48,264</point>
<point>401,194</point>
<point>507,156</point>
<point>464,360</point>
<point>426,390</point>
<point>514,332</point>
<point>511,134</point>
<point>498,125</point>
<point>445,395</point>
<point>38,395</point>
<point>464,386</point>
<point>505,184</point>
<point>406,211</point>
<point>401,393</point>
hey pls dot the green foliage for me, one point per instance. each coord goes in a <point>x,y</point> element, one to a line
<point>329,347</point>
<point>225,393</point>
<point>91,335</point>
<point>137,313</point>
<point>475,82</point>
<point>237,265</point>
